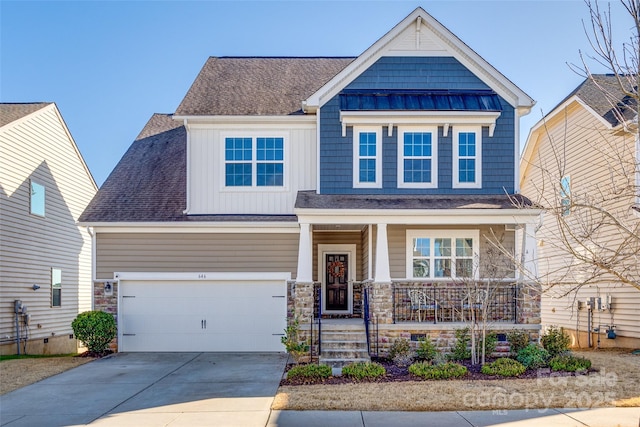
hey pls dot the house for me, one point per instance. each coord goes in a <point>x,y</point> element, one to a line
<point>326,189</point>
<point>45,257</point>
<point>579,161</point>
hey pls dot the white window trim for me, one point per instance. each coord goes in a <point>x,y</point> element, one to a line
<point>356,156</point>
<point>478,157</point>
<point>448,234</point>
<point>44,196</point>
<point>254,161</point>
<point>433,130</point>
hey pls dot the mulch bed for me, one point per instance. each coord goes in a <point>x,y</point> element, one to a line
<point>401,373</point>
<point>95,354</point>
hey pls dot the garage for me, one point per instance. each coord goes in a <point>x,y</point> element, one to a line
<point>201,311</point>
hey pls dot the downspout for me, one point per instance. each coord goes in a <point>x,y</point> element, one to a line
<point>370,250</point>
<point>516,157</point>
<point>188,189</point>
<point>93,264</point>
<point>318,151</point>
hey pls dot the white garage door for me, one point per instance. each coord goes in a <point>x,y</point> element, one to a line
<point>201,315</point>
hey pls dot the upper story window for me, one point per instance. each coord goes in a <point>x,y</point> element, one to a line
<point>417,157</point>
<point>367,157</point>
<point>37,198</point>
<point>565,195</point>
<point>442,254</point>
<point>467,158</point>
<point>254,161</point>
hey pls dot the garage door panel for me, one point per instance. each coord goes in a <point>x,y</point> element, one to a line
<point>202,315</point>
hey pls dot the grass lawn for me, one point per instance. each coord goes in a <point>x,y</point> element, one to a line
<point>19,371</point>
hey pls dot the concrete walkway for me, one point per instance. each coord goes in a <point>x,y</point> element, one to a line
<point>601,417</point>
<point>229,389</point>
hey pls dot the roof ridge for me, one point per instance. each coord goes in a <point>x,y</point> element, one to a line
<point>281,57</point>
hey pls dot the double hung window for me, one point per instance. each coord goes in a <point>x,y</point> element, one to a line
<point>442,254</point>
<point>467,158</point>
<point>418,157</point>
<point>367,157</point>
<point>254,161</point>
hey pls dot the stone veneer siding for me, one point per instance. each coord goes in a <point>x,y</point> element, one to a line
<point>107,303</point>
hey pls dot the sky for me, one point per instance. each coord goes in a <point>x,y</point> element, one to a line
<point>109,65</point>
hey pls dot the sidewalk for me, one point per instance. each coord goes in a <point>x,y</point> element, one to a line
<point>598,417</point>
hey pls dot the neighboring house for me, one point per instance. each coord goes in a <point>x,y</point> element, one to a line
<point>585,152</point>
<point>319,187</point>
<point>45,256</point>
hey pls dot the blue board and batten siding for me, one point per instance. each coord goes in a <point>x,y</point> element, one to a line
<point>336,151</point>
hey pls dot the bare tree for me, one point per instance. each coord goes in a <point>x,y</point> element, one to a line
<point>496,272</point>
<point>594,223</point>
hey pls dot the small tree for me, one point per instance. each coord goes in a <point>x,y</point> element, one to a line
<point>490,273</point>
<point>96,329</point>
<point>296,347</point>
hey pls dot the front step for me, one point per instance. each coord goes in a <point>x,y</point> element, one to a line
<point>343,344</point>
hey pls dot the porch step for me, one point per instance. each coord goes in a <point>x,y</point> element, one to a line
<point>343,344</point>
<point>503,349</point>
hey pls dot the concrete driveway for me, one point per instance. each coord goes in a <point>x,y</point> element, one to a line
<point>152,389</point>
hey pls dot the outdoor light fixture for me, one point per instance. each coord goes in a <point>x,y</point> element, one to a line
<point>35,287</point>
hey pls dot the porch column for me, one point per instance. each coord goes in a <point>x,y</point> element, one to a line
<point>382,273</point>
<point>529,253</point>
<point>305,265</point>
<point>303,290</point>
<point>381,302</point>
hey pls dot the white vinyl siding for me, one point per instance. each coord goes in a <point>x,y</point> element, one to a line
<point>579,130</point>
<point>38,148</point>
<point>207,193</point>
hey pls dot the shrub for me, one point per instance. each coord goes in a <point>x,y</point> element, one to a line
<point>505,367</point>
<point>533,356</point>
<point>364,370</point>
<point>292,343</point>
<point>426,350</point>
<point>490,343</point>
<point>569,363</point>
<point>555,341</point>
<point>309,372</point>
<point>517,341</point>
<point>95,329</point>
<point>461,350</point>
<point>437,372</point>
<point>400,352</point>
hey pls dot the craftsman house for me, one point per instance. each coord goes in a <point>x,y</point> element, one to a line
<point>329,189</point>
<point>45,257</point>
<point>580,161</point>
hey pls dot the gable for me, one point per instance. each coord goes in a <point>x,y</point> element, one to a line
<point>419,34</point>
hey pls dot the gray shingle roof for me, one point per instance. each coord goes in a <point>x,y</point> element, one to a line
<point>257,86</point>
<point>10,112</point>
<point>311,200</point>
<point>149,182</point>
<point>603,94</point>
